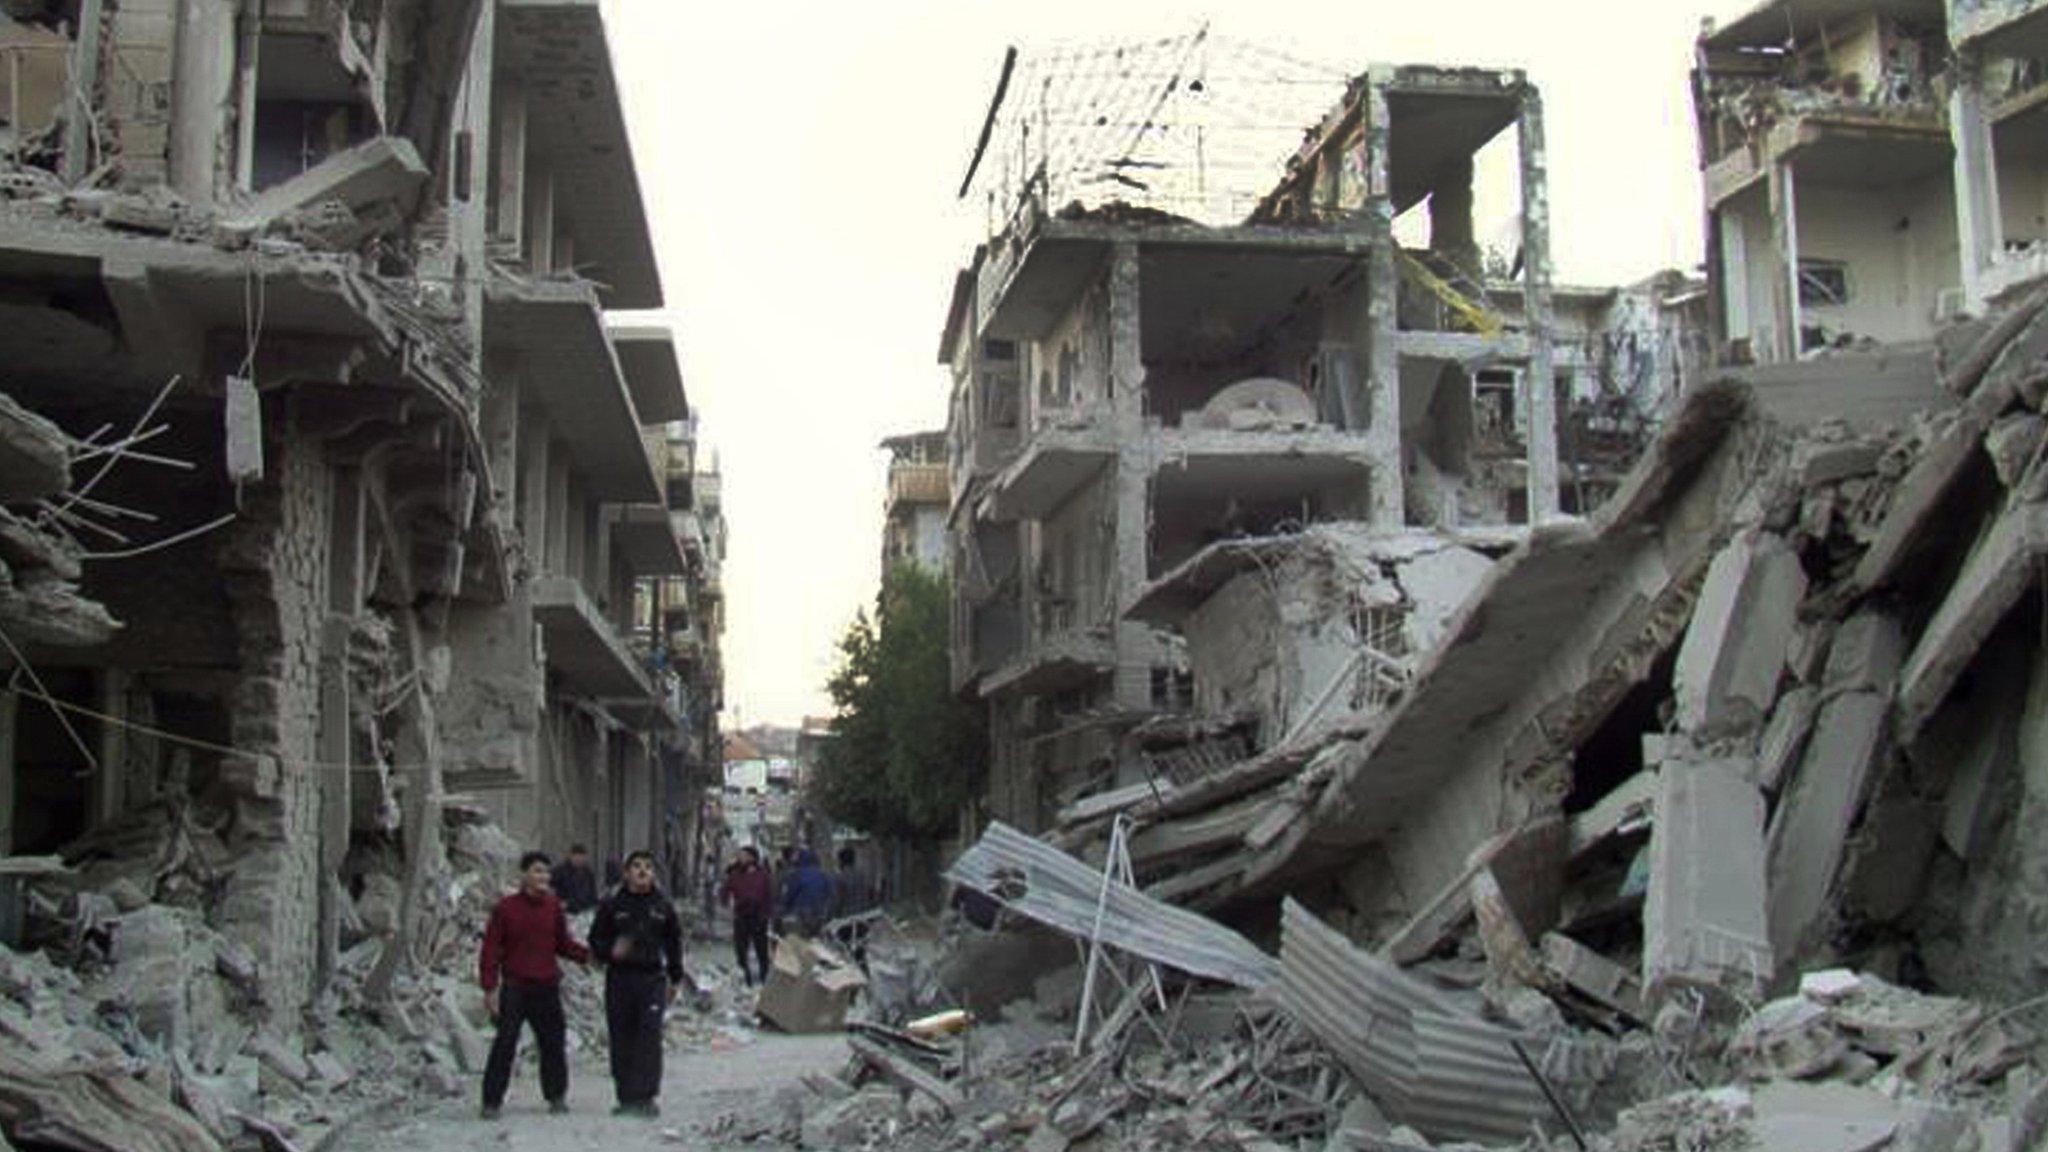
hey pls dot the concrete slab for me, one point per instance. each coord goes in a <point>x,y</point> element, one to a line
<point>2002,566</point>
<point>1813,820</point>
<point>382,170</point>
<point>1734,651</point>
<point>1784,738</point>
<point>1704,921</point>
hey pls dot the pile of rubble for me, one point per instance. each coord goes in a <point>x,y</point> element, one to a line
<point>136,1026</point>
<point>1667,839</point>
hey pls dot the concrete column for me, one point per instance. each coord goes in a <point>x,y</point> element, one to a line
<point>1979,227</point>
<point>1541,399</point>
<point>500,419</point>
<point>1784,193</point>
<point>1387,501</point>
<point>1734,250</point>
<point>468,168</point>
<point>85,79</point>
<point>534,467</point>
<point>576,536</point>
<point>202,92</point>
<point>9,709</point>
<point>109,792</point>
<point>558,521</point>
<point>346,577</point>
<point>540,219</point>
<point>1132,474</point>
<point>510,130</point>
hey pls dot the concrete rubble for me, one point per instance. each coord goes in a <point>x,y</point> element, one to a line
<point>345,548</point>
<point>1707,820</point>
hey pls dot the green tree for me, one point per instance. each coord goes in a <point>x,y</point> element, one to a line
<point>906,754</point>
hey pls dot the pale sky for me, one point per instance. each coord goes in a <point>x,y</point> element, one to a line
<point>800,161</point>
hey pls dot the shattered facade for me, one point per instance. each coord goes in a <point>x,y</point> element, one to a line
<point>1135,390</point>
<point>396,527</point>
<point>1869,170</point>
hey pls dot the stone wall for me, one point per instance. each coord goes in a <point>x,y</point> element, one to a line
<point>273,564</point>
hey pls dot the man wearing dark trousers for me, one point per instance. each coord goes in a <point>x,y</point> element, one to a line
<point>523,985</point>
<point>637,936</point>
<point>574,883</point>
<point>748,888</point>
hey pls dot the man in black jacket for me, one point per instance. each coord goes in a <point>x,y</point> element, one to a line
<point>638,938</point>
<point>574,882</point>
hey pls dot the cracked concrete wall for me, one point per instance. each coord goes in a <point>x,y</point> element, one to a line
<point>274,562</point>
<point>490,717</point>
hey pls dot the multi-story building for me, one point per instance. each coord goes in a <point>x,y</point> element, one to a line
<point>914,518</point>
<point>1132,386</point>
<point>379,529</point>
<point>1868,169</point>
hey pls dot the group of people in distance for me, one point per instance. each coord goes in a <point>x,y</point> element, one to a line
<point>800,891</point>
<point>636,936</point>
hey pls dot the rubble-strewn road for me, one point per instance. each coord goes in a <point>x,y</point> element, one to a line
<point>699,1089</point>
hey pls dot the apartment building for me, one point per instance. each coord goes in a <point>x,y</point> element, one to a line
<point>345,270</point>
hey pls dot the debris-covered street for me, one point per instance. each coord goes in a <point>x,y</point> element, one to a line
<point>1332,674</point>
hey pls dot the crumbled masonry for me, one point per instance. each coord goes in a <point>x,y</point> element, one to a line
<point>343,547</point>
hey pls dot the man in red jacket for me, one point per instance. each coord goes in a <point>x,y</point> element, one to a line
<point>522,984</point>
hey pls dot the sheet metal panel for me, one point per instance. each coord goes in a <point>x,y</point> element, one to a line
<point>1038,881</point>
<point>1426,1063</point>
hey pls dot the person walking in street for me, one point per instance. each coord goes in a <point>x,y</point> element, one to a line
<point>574,883</point>
<point>752,898</point>
<point>523,984</point>
<point>637,936</point>
<point>807,895</point>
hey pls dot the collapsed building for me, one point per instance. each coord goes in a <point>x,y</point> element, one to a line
<point>1134,387</point>
<point>1733,763</point>
<point>388,521</point>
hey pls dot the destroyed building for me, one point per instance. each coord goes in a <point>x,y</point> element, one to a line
<point>394,524</point>
<point>1869,169</point>
<point>1725,758</point>
<point>1135,387</point>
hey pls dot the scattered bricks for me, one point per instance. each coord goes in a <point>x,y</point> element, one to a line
<point>153,963</point>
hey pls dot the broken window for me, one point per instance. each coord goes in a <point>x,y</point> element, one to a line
<point>1823,282</point>
<point>1495,423</point>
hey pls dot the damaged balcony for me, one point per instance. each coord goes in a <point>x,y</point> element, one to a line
<point>2016,28</point>
<point>1057,463</point>
<point>1847,88</point>
<point>573,374</point>
<point>582,646</point>
<point>1065,660</point>
<point>568,192</point>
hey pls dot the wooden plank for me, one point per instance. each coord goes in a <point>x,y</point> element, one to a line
<point>908,1074</point>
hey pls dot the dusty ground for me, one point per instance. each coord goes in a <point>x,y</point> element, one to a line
<point>699,1091</point>
<point>713,1097</point>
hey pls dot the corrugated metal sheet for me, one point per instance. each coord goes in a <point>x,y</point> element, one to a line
<point>1428,1064</point>
<point>1038,881</point>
